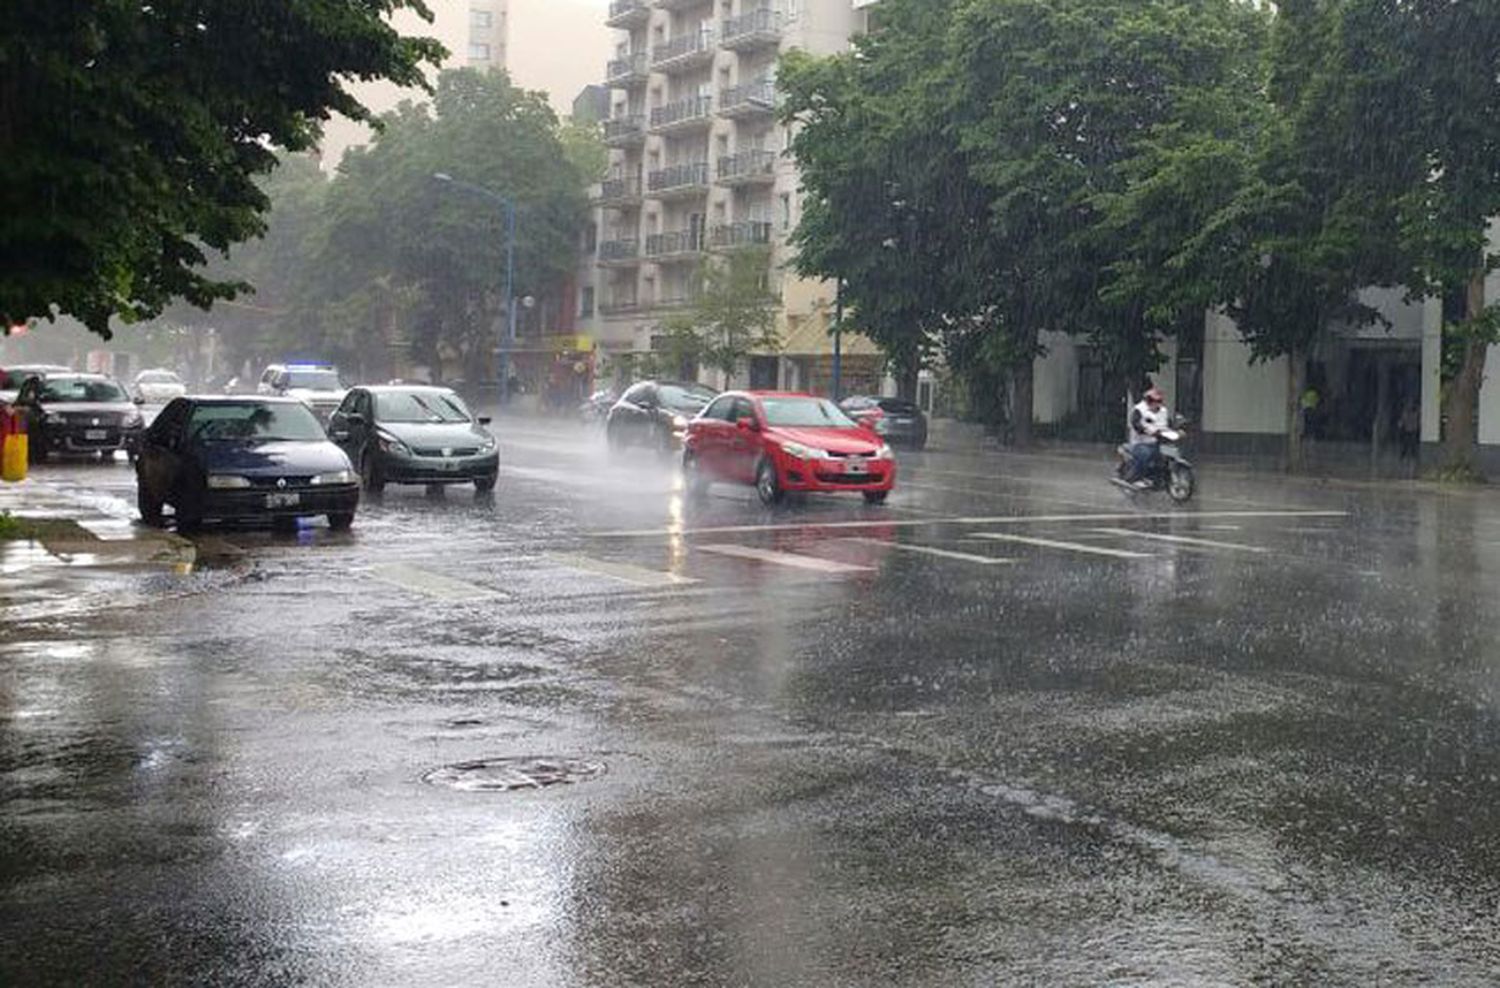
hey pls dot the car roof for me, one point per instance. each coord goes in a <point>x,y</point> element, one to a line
<point>81,375</point>
<point>425,388</point>
<point>782,394</point>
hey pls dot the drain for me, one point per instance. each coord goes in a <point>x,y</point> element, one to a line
<point>506,774</point>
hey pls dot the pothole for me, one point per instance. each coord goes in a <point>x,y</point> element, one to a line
<point>506,774</point>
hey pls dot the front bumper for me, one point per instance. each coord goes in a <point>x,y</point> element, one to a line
<point>398,468</point>
<point>271,502</point>
<point>829,476</point>
<point>91,439</point>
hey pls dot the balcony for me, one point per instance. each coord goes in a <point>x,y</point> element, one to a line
<point>619,253</point>
<point>624,132</point>
<point>679,181</point>
<point>678,245</point>
<point>686,51</point>
<point>681,4</point>
<point>620,307</point>
<point>747,168</point>
<point>619,192</point>
<point>747,233</point>
<point>756,29</point>
<point>627,71</point>
<point>693,113</point>
<point>752,99</point>
<point>628,13</point>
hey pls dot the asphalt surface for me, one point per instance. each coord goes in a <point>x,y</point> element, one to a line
<point>1013,727</point>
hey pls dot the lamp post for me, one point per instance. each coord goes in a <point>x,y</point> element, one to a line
<point>508,204</point>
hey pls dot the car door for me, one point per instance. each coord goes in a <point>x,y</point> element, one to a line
<point>157,465</point>
<point>341,431</point>
<point>743,446</point>
<point>710,432</point>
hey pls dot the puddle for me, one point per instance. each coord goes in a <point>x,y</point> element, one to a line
<point>507,774</point>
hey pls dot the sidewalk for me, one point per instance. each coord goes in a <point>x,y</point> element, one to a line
<point>75,533</point>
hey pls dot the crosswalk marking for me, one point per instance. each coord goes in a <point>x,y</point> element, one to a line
<point>1093,550</point>
<point>927,550</point>
<point>790,559</point>
<point>431,584</point>
<point>639,576</point>
<point>1181,540</point>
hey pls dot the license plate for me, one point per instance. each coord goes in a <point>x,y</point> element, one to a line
<point>448,465</point>
<point>901,421</point>
<point>94,435</point>
<point>856,466</point>
<point>283,499</point>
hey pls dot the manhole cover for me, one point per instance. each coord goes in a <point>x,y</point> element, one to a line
<point>504,774</point>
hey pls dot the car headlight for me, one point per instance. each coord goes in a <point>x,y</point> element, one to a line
<point>390,444</point>
<point>487,444</point>
<point>884,452</point>
<point>335,477</point>
<point>679,422</point>
<point>227,481</point>
<point>801,452</point>
<point>132,421</point>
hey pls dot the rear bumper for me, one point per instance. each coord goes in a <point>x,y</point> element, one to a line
<point>242,504</point>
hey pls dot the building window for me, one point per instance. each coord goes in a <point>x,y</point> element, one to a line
<point>479,51</point>
<point>481,19</point>
<point>586,301</point>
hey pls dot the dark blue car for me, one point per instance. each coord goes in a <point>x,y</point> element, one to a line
<point>242,458</point>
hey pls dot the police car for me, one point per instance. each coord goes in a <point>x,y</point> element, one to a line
<point>316,385</point>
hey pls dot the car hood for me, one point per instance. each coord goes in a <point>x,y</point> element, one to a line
<point>436,433</point>
<point>276,458</point>
<point>835,440</point>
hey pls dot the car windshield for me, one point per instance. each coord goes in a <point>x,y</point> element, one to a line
<point>813,412</point>
<point>252,421</point>
<point>420,406</point>
<point>312,379</point>
<point>81,389</point>
<point>158,377</point>
<point>687,398</point>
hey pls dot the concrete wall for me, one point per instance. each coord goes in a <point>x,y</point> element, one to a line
<point>1240,397</point>
<point>1055,389</point>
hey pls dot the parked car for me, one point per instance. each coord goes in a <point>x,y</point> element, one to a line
<point>414,434</point>
<point>242,458</point>
<point>11,378</point>
<point>158,386</point>
<point>784,442</point>
<point>900,421</point>
<point>316,385</point>
<point>655,414</point>
<point>78,413</point>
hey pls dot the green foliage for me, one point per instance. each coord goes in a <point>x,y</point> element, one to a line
<point>132,136</point>
<point>732,315</point>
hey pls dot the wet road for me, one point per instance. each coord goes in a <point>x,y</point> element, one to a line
<point>1010,727</point>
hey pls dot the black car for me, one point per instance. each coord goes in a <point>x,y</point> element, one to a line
<point>414,434</point>
<point>655,414</point>
<point>78,413</point>
<point>243,458</point>
<point>898,421</point>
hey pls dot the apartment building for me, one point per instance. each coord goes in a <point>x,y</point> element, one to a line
<point>697,165</point>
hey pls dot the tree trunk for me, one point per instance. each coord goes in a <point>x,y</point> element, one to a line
<point>1296,421</point>
<point>1461,402</point>
<point>1022,381</point>
<point>906,381</point>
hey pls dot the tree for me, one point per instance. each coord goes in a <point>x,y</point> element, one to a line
<point>732,315</point>
<point>132,136</point>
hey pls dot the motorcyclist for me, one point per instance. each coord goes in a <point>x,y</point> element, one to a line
<point>1149,418</point>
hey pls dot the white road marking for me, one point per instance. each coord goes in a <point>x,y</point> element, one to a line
<point>639,533</point>
<point>432,584</point>
<point>638,576</point>
<point>1181,540</point>
<point>790,559</point>
<point>928,550</point>
<point>1093,550</point>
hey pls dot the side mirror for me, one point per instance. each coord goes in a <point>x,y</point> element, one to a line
<point>748,425</point>
<point>139,400</point>
<point>485,420</point>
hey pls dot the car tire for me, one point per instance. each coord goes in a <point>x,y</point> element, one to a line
<point>149,506</point>
<point>876,497</point>
<point>483,485</point>
<point>370,473</point>
<point>340,521</point>
<point>768,484</point>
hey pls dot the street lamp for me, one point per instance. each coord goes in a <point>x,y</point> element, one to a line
<point>508,341</point>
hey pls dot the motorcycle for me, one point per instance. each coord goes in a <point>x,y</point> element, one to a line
<point>1169,470</point>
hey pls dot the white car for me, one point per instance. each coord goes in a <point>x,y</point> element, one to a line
<point>316,385</point>
<point>158,386</point>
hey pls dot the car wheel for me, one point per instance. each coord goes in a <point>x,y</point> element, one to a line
<point>149,505</point>
<point>370,473</point>
<point>876,497</point>
<point>767,484</point>
<point>483,485</point>
<point>340,521</point>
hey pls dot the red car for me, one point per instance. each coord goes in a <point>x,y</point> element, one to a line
<point>784,442</point>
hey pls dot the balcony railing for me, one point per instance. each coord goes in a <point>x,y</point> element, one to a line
<point>620,306</point>
<point>627,70</point>
<point>748,99</point>
<point>619,251</point>
<point>627,13</point>
<point>747,166</point>
<point>755,29</point>
<point>747,233</point>
<point>617,190</point>
<point>620,131</point>
<point>684,50</point>
<point>690,176</point>
<point>683,113</point>
<point>676,243</point>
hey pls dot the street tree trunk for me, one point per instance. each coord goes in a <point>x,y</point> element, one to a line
<point>1461,401</point>
<point>1296,421</point>
<point>906,381</point>
<point>1022,381</point>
